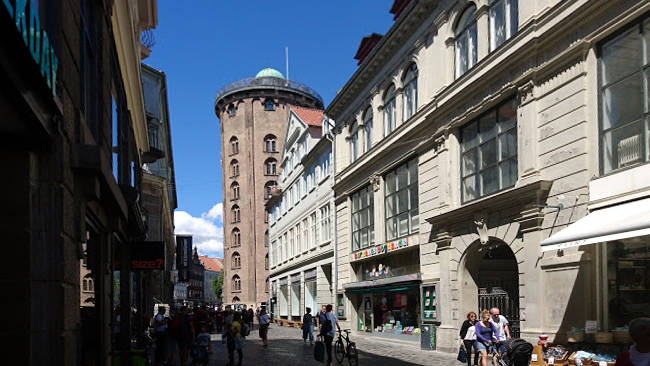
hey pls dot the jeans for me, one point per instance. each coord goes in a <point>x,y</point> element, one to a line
<point>470,348</point>
<point>231,356</point>
<point>328,348</point>
<point>308,331</point>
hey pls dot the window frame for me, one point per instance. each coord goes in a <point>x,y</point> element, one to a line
<point>508,21</point>
<point>269,104</point>
<point>390,100</point>
<point>234,145</point>
<point>236,214</point>
<point>271,167</point>
<point>235,237</point>
<point>367,129</point>
<point>325,225</point>
<point>235,261</point>
<point>234,190</point>
<point>465,32</point>
<point>369,197</point>
<point>410,82</point>
<point>354,142</point>
<point>409,188</point>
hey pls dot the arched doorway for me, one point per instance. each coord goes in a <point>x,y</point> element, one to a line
<point>493,281</point>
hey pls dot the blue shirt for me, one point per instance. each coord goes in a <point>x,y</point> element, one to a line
<point>333,319</point>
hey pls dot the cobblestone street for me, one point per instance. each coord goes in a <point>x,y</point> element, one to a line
<point>287,348</point>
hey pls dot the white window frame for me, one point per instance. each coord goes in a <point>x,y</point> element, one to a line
<point>325,223</point>
<point>466,33</point>
<point>509,10</point>
<point>365,195</point>
<point>410,192</point>
<point>410,94</point>
<point>390,113</point>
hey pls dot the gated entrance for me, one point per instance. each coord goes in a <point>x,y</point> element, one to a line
<point>497,297</point>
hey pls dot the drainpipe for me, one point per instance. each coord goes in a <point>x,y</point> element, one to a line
<point>331,137</point>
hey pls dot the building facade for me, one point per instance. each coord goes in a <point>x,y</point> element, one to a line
<point>301,251</point>
<point>253,114</point>
<point>472,132</point>
<point>195,286</point>
<point>213,269</point>
<point>74,141</point>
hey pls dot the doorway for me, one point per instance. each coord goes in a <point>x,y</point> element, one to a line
<point>366,313</point>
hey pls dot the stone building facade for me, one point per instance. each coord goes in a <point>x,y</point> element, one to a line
<point>301,249</point>
<point>471,133</point>
<point>253,114</point>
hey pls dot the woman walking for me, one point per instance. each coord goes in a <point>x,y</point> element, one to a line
<point>468,337</point>
<point>264,320</point>
<point>307,327</point>
<point>235,340</point>
<point>485,336</point>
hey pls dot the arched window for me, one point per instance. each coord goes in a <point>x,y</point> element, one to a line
<point>268,188</point>
<point>234,168</point>
<point>269,105</point>
<point>234,211</point>
<point>389,110</point>
<point>270,143</point>
<point>234,189</point>
<point>410,95</point>
<point>235,300</point>
<point>504,21</point>
<point>236,261</point>
<point>271,167</point>
<point>367,129</point>
<point>232,110</point>
<point>466,41</point>
<point>234,145</point>
<point>266,238</point>
<point>354,142</point>
<point>235,237</point>
<point>266,261</point>
<point>91,286</point>
<point>236,284</point>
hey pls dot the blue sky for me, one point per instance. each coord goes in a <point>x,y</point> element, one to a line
<point>211,43</point>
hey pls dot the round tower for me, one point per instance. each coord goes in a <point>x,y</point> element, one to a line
<point>253,115</point>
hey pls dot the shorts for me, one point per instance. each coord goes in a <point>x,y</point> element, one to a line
<point>481,347</point>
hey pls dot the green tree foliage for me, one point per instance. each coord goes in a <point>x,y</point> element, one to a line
<point>217,286</point>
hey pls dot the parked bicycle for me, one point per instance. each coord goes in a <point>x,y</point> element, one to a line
<point>348,351</point>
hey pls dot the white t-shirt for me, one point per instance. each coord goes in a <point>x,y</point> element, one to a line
<point>500,327</point>
<point>471,334</point>
<point>638,358</point>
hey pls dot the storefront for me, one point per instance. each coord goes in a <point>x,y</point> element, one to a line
<point>283,298</point>
<point>311,295</point>
<point>295,297</point>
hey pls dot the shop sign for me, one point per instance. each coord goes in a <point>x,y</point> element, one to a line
<point>382,248</point>
<point>148,255</point>
<point>183,255</point>
<point>25,15</point>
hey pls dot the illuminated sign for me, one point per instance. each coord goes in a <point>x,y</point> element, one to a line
<point>25,15</point>
<point>147,255</point>
<point>381,248</point>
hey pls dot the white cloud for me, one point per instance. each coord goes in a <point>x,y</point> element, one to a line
<point>206,230</point>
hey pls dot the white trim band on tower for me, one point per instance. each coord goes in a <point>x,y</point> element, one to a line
<point>622,221</point>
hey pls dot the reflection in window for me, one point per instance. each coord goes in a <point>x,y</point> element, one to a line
<point>389,110</point>
<point>363,219</point>
<point>354,142</point>
<point>466,41</point>
<point>504,20</point>
<point>489,152</point>
<point>410,91</point>
<point>401,201</point>
<point>367,129</point>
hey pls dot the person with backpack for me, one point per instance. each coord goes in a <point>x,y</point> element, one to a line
<point>307,327</point>
<point>264,320</point>
<point>328,332</point>
<point>235,340</point>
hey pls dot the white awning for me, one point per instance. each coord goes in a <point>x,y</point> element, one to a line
<point>622,221</point>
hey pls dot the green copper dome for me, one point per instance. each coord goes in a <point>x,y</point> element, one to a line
<point>269,73</point>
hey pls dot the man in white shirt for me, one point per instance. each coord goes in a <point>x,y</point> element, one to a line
<point>160,326</point>
<point>501,324</point>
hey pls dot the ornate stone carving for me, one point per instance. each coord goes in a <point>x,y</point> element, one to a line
<point>480,221</point>
<point>375,180</point>
<point>525,93</point>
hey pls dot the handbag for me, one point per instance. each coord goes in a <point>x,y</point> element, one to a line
<point>319,350</point>
<point>462,354</point>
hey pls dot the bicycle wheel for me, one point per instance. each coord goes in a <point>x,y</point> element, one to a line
<point>339,352</point>
<point>353,356</point>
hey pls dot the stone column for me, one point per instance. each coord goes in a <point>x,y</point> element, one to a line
<point>527,146</point>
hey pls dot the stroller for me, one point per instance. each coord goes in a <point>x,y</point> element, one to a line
<point>517,353</point>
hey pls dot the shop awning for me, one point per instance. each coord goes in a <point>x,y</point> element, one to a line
<point>622,221</point>
<point>383,284</point>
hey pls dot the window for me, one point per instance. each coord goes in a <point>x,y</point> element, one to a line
<point>234,145</point>
<point>305,234</point>
<point>270,143</point>
<point>234,211</point>
<point>89,74</point>
<point>367,129</point>
<point>504,20</point>
<point>314,230</point>
<point>466,41</point>
<point>274,252</point>
<point>91,287</point>
<point>270,167</point>
<point>266,216</point>
<point>298,237</point>
<point>389,110</point>
<point>268,188</point>
<point>232,110</point>
<point>624,89</point>
<point>85,285</point>
<point>325,223</point>
<point>363,219</point>
<point>116,137</point>
<point>410,91</point>
<point>266,238</point>
<point>234,168</point>
<point>235,237</point>
<point>236,286</point>
<point>489,152</point>
<point>292,252</point>
<point>234,189</point>
<point>236,261</point>
<point>269,105</point>
<point>285,244</point>
<point>267,284</point>
<point>266,264</point>
<point>401,188</point>
<point>354,142</point>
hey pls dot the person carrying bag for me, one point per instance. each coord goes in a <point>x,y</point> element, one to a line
<point>319,349</point>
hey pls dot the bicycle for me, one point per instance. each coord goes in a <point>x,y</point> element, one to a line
<point>349,351</point>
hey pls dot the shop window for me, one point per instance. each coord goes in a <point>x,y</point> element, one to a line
<point>466,41</point>
<point>367,129</point>
<point>410,95</point>
<point>489,152</point>
<point>363,219</point>
<point>234,168</point>
<point>625,114</point>
<point>235,237</point>
<point>401,200</point>
<point>234,189</point>
<point>270,167</point>
<point>269,105</point>
<point>270,143</point>
<point>234,212</point>
<point>234,145</point>
<point>504,20</point>
<point>390,115</point>
<point>295,296</point>
<point>283,299</point>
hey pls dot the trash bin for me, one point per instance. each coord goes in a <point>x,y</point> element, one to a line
<point>428,337</point>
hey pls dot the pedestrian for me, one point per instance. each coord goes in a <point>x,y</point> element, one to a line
<point>185,335</point>
<point>307,327</point>
<point>251,317</point>
<point>501,325</point>
<point>236,340</point>
<point>160,327</point>
<point>327,331</point>
<point>321,316</point>
<point>639,352</point>
<point>468,338</point>
<point>486,334</point>
<point>227,321</point>
<point>264,320</point>
<point>219,320</point>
